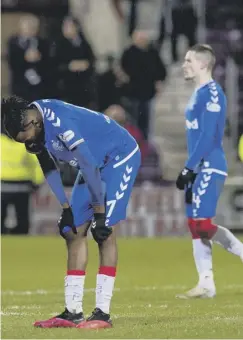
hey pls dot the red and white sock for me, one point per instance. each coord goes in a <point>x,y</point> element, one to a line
<point>74,290</point>
<point>104,287</point>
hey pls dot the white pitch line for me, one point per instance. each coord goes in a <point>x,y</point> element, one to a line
<point>91,290</point>
<point>24,307</point>
<point>15,313</point>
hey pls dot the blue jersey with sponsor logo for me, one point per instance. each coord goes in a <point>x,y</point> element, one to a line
<point>205,124</point>
<point>67,126</point>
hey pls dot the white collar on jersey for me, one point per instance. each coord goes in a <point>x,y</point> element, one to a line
<point>201,86</point>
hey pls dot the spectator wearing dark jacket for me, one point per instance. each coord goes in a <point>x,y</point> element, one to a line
<point>108,85</point>
<point>75,62</point>
<point>29,61</point>
<point>145,73</point>
<point>184,21</point>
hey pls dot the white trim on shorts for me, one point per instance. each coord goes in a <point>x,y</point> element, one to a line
<point>126,158</point>
<point>211,170</point>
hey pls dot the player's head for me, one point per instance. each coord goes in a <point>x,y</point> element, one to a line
<point>199,60</point>
<point>21,122</point>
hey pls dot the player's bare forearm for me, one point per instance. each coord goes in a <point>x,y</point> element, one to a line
<point>99,209</point>
<point>65,205</point>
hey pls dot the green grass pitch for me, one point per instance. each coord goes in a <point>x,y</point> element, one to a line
<point>150,273</point>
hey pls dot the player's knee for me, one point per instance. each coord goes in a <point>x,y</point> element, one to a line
<point>202,228</point>
<point>111,240</point>
<point>70,237</point>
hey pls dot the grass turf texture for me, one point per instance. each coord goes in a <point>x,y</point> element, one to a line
<point>150,273</point>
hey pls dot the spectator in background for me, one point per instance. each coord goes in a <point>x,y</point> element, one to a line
<point>75,62</point>
<point>20,175</point>
<point>108,85</point>
<point>29,61</point>
<point>184,21</point>
<point>145,73</point>
<point>150,169</point>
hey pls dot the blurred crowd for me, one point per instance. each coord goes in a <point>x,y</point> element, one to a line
<point>225,34</point>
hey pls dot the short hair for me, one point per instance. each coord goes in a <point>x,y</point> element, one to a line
<point>208,51</point>
<point>13,111</point>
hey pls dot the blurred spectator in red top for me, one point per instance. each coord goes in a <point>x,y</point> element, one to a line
<point>117,113</point>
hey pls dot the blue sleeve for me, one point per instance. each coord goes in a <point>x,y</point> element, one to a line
<point>53,178</point>
<point>52,175</point>
<point>209,123</point>
<point>74,141</point>
<point>90,172</point>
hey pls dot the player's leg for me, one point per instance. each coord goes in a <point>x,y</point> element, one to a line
<point>105,281</point>
<point>202,205</point>
<point>202,253</point>
<point>77,256</point>
<point>213,232</point>
<point>206,192</point>
<point>225,238</point>
<point>119,183</point>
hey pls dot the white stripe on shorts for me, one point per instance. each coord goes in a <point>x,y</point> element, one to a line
<point>211,170</point>
<point>126,158</point>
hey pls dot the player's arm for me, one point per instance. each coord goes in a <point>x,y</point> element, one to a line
<point>91,175</point>
<point>209,123</point>
<point>50,171</point>
<point>53,178</point>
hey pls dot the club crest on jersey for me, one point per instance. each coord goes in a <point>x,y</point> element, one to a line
<point>57,145</point>
<point>213,107</point>
<point>67,136</point>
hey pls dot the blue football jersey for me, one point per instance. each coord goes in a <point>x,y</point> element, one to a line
<point>205,123</point>
<point>67,125</point>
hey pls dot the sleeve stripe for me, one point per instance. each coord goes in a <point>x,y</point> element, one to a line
<point>76,143</point>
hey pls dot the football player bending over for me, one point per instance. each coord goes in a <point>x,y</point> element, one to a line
<point>108,159</point>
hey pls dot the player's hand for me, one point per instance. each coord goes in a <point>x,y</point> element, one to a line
<point>66,220</point>
<point>188,193</point>
<point>99,230</point>
<point>184,178</point>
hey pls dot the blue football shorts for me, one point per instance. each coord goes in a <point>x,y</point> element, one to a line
<point>206,192</point>
<point>118,178</point>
